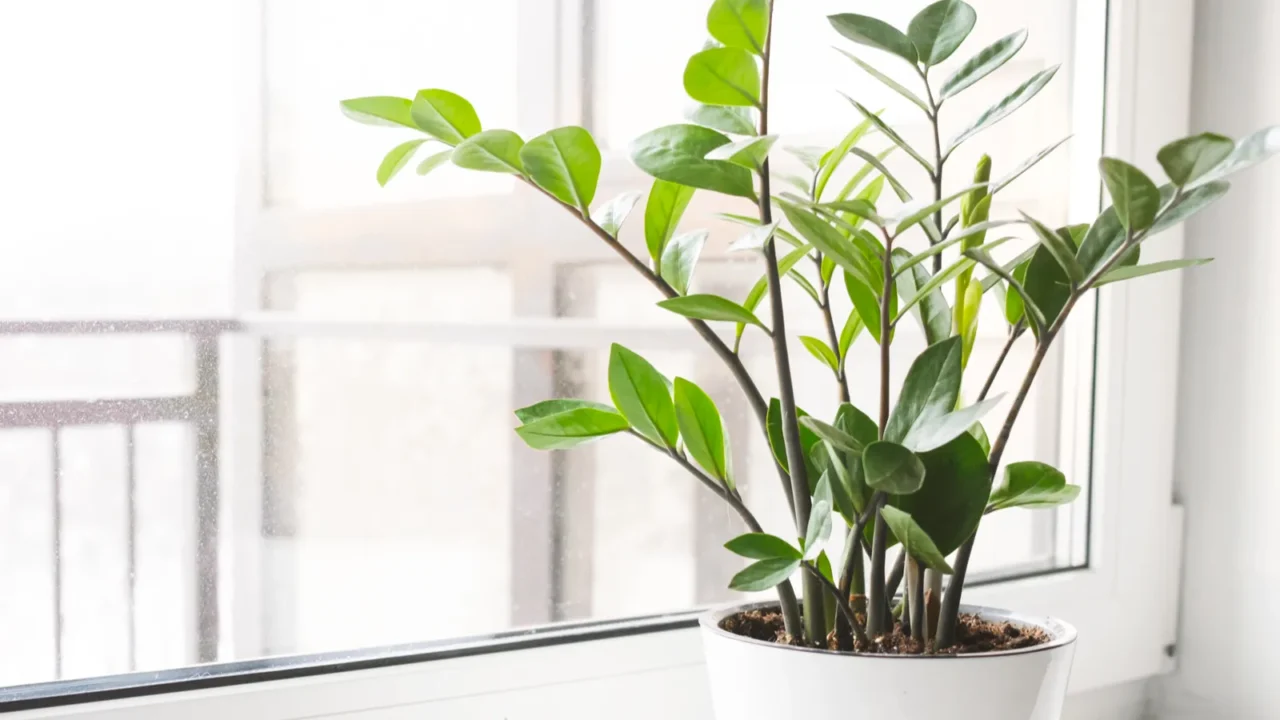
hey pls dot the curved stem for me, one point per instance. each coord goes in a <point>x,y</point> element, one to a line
<point>833,337</point>
<point>842,602</point>
<point>934,108</point>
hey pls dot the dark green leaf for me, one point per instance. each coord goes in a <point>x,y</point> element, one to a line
<point>711,307</point>
<point>838,438</point>
<point>739,23</point>
<point>1135,271</point>
<point>930,389</point>
<point>1060,248</point>
<point>570,428</point>
<point>725,118</point>
<point>762,546</point>
<point>939,430</point>
<point>773,425</point>
<point>893,136</point>
<point>1005,107</point>
<point>1033,485</point>
<point>396,159</point>
<point>957,482</point>
<point>929,307</point>
<point>867,305</point>
<point>938,30</point>
<point>1032,312</point>
<point>1104,238</point>
<point>433,161</point>
<point>1193,157</point>
<point>679,258</point>
<point>555,407</point>
<point>1135,198</point>
<point>832,160</point>
<point>886,80</point>
<point>1188,204</point>
<point>979,433</point>
<point>490,151</point>
<point>1248,152</point>
<point>749,153</point>
<point>915,540</point>
<point>444,115</point>
<point>892,468</point>
<point>723,76</point>
<point>1026,165</point>
<point>643,396</point>
<point>874,33</point>
<point>987,61</point>
<point>677,153</point>
<point>614,213</point>
<point>701,429</point>
<point>662,212</point>
<point>381,110</point>
<point>566,163</point>
<point>821,351</point>
<point>858,425</point>
<point>765,574</point>
<point>1047,284</point>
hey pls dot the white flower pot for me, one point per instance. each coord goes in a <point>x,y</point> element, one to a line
<point>755,680</point>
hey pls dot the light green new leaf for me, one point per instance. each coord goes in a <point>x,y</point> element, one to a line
<point>444,115</point>
<point>701,429</point>
<point>566,163</point>
<point>1005,107</point>
<point>556,406</point>
<point>867,305</point>
<point>763,575</point>
<point>723,76</point>
<point>739,23</point>
<point>915,540</point>
<point>757,292</point>
<point>892,468</point>
<point>1033,485</point>
<point>1059,248</point>
<point>1136,271</point>
<point>749,153</point>
<point>381,110</point>
<point>967,326</point>
<point>1248,152</point>
<point>938,30</point>
<point>572,427</point>
<point>755,238</point>
<point>893,136</point>
<point>874,33</point>
<point>912,215</point>
<point>643,396</point>
<point>614,213</point>
<point>930,389</point>
<point>931,309</point>
<point>677,153</point>
<point>1188,204</point>
<point>889,82</point>
<point>938,430</point>
<point>830,162</point>
<point>762,546</point>
<point>433,161</point>
<point>1024,166</point>
<point>490,151</point>
<point>987,61</point>
<point>955,239</point>
<point>725,118</point>
<point>679,258</point>
<point>662,212</point>
<point>1135,198</point>
<point>711,307</point>
<point>821,351</point>
<point>1193,157</point>
<point>853,327</point>
<point>396,159</point>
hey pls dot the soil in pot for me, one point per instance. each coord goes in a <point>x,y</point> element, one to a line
<point>974,635</point>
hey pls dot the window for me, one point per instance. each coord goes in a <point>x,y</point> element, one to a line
<point>266,409</point>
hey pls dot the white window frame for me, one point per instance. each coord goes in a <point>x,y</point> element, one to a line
<point>1123,603</point>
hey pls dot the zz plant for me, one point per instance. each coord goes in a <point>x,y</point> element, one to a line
<point>918,473</point>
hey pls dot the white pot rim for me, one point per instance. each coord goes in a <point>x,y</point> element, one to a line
<point>1061,633</point>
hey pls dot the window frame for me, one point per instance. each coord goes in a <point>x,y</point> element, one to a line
<point>1123,603</point>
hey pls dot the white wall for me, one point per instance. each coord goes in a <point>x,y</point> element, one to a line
<point>1229,390</point>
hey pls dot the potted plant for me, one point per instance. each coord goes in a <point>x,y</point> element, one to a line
<point>920,472</point>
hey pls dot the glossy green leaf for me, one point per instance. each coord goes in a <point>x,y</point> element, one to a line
<point>762,546</point>
<point>725,118</point>
<point>877,163</point>
<point>874,33</point>
<point>614,213</point>
<point>701,428</point>
<point>677,153</point>
<point>434,160</point>
<point>1047,284</point>
<point>1103,239</point>
<point>1061,250</point>
<point>1031,311</point>
<point>939,29</point>
<point>447,116</point>
<point>938,430</point>
<point>662,212</point>
<point>951,241</point>
<point>892,468</point>
<point>957,482</point>
<point>934,284</point>
<point>867,305</point>
<point>556,406</point>
<point>821,351</point>
<point>679,258</point>
<point>887,81</point>
<point>764,574</point>
<point>1005,107</point>
<point>490,151</point>
<point>915,540</point>
<point>987,61</point>
<point>930,389</point>
<point>723,76</point>
<point>643,396</point>
<point>858,425</point>
<point>570,428</point>
<point>819,528</point>
<point>1135,271</point>
<point>773,427</point>
<point>566,163</point>
<point>839,439</point>
<point>384,110</point>
<point>750,153</point>
<point>1248,152</point>
<point>1135,198</point>
<point>1033,485</point>
<point>829,163</point>
<point>1188,204</point>
<point>931,308</point>
<point>979,433</point>
<point>396,159</point>
<point>739,23</point>
<point>711,307</point>
<point>757,292</point>
<point>858,207</point>
<point>1193,157</point>
<point>853,326</point>
<point>1025,165</point>
<point>967,327</point>
<point>912,215</point>
<point>755,238</point>
<point>892,134</point>
<point>827,240</point>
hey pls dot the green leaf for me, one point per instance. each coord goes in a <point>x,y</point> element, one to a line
<point>893,136</point>
<point>739,23</point>
<point>490,151</point>
<point>827,239</point>
<point>677,153</point>
<point>701,428</point>
<point>965,234</point>
<point>874,33</point>
<point>723,76</point>
<point>876,162</point>
<point>1193,157</point>
<point>1033,485</point>
<point>445,116</point>
<point>1248,152</point>
<point>957,482</point>
<point>930,308</point>
<point>433,161</point>
<point>832,160</point>
<point>1104,238</point>
<point>819,528</point>
<point>1005,107</point>
<point>1048,286</point>
<point>859,426</point>
<point>821,351</point>
<point>1136,271</point>
<point>643,396</point>
<point>867,305</point>
<point>1059,248</point>
<point>679,258</point>
<point>915,540</point>
<point>938,430</point>
<point>839,439</point>
<point>938,30</point>
<point>979,433</point>
<point>662,212</point>
<point>762,546</point>
<point>811,156</point>
<point>1032,312</point>
<point>1026,165</point>
<point>911,216</point>
<point>735,120</point>
<point>967,328</point>
<point>614,213</point>
<point>570,428</point>
<point>384,110</point>
<point>987,61</point>
<point>886,80</point>
<point>853,327</point>
<point>711,307</point>
<point>556,406</point>
<point>1188,204</point>
<point>755,238</point>
<point>763,575</point>
<point>749,153</point>
<point>1135,198</point>
<point>566,163</point>
<point>858,207</point>
<point>892,468</point>
<point>773,426</point>
<point>396,159</point>
<point>929,391</point>
<point>758,290</point>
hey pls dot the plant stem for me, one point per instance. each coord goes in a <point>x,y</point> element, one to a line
<point>1015,332</point>
<point>937,165</point>
<point>915,589</point>
<point>842,601</point>
<point>895,576</point>
<point>878,622</point>
<point>833,337</point>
